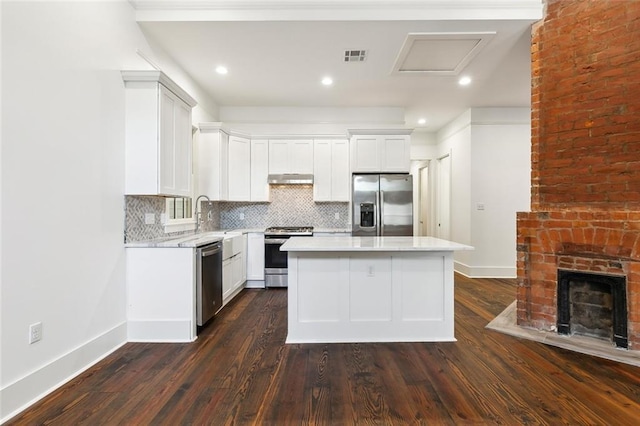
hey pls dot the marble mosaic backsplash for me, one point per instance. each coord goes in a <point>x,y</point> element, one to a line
<point>290,205</point>
<point>136,206</point>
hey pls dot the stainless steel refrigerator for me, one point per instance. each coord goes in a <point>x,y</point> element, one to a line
<point>382,205</point>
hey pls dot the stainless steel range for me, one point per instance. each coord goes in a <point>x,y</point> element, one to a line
<point>275,261</point>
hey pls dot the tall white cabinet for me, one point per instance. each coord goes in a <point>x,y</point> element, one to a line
<point>158,153</point>
<point>331,170</point>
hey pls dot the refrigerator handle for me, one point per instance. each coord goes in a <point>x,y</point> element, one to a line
<point>377,214</point>
<point>381,221</point>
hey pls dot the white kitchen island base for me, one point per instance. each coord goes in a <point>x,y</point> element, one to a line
<point>370,289</point>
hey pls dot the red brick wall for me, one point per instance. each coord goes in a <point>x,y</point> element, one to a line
<point>586,106</point>
<point>585,155</point>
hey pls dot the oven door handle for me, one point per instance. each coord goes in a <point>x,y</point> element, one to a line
<point>275,240</point>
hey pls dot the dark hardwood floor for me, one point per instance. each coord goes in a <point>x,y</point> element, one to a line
<point>240,372</point>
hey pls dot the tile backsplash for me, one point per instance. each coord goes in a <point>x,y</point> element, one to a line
<point>290,205</point>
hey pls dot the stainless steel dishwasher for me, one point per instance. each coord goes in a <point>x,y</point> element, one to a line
<point>209,281</point>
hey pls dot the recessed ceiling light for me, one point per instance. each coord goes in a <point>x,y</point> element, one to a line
<point>327,81</point>
<point>422,121</point>
<point>221,69</point>
<point>464,81</point>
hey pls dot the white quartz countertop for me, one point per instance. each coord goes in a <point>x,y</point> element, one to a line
<point>364,244</point>
<point>186,241</point>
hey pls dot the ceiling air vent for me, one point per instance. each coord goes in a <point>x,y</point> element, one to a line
<point>355,55</point>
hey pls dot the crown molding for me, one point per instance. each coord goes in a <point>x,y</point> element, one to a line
<point>156,76</point>
<point>320,10</point>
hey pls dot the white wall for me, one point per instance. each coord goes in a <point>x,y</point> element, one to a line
<point>490,165</point>
<point>501,181</point>
<point>62,189</point>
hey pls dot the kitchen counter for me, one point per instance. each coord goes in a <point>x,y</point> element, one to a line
<point>190,240</point>
<point>371,244</point>
<point>370,289</point>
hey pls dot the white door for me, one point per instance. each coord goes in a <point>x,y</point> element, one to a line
<point>443,203</point>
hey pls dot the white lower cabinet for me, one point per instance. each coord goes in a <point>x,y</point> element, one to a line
<point>255,260</point>
<point>161,294</point>
<point>234,272</point>
<point>227,279</point>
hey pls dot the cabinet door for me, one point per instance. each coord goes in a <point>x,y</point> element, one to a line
<point>395,153</point>
<point>174,145</point>
<point>212,164</point>
<point>227,280</point>
<point>301,156</point>
<point>322,170</point>
<point>239,169</point>
<point>364,154</point>
<point>237,265</point>
<point>259,170</point>
<point>340,178</point>
<point>184,149</point>
<point>278,156</point>
<point>255,256</point>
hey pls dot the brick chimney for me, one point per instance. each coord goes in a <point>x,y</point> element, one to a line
<point>585,156</point>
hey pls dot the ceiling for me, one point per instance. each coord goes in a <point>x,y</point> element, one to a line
<point>277,52</point>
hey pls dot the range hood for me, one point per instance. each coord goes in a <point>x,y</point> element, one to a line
<point>290,179</point>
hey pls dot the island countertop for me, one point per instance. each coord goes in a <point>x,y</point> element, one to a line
<point>369,244</point>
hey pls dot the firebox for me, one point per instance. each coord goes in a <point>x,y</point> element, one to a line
<point>593,305</point>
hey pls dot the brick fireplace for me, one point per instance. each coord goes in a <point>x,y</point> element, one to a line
<point>585,158</point>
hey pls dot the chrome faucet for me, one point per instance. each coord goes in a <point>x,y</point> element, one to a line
<point>199,213</point>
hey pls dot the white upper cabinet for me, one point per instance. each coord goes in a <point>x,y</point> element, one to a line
<point>331,170</point>
<point>158,157</point>
<point>259,170</point>
<point>239,168</point>
<point>213,156</point>
<point>291,156</point>
<point>381,153</point>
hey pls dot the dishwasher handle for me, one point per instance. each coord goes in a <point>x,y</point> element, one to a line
<point>210,251</point>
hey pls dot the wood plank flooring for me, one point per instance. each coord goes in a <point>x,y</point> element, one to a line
<point>240,372</point>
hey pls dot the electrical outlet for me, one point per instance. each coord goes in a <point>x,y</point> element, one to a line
<point>371,272</point>
<point>149,218</point>
<point>35,332</point>
<point>337,216</point>
<point>241,216</point>
<point>480,206</point>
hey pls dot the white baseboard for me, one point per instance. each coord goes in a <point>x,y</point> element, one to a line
<point>166,331</point>
<point>485,271</point>
<point>254,284</point>
<point>17,396</point>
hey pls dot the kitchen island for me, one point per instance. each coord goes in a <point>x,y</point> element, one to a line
<point>370,289</point>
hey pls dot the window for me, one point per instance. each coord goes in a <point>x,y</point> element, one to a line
<point>178,208</point>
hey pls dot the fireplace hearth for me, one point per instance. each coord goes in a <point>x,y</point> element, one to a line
<point>593,305</point>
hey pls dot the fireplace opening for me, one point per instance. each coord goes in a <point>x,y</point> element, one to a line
<point>593,305</point>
